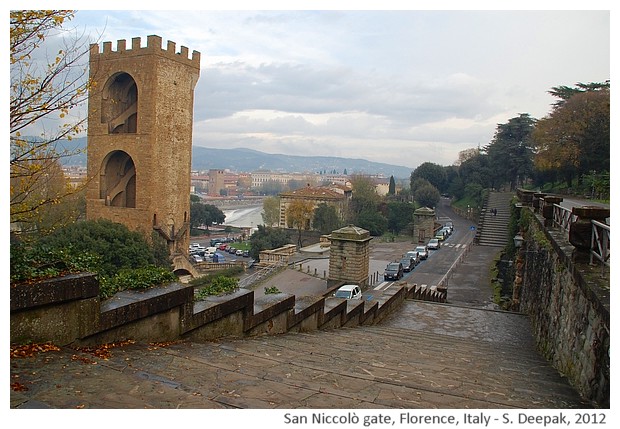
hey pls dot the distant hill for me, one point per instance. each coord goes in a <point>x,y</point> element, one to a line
<point>248,160</point>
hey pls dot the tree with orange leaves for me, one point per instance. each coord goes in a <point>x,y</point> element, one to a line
<point>574,139</point>
<point>45,91</point>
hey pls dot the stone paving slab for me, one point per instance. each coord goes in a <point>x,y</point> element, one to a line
<point>365,367</point>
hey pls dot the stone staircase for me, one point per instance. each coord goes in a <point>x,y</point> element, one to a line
<point>493,228</point>
<point>425,355</point>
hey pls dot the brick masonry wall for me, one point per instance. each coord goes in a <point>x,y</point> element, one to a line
<point>159,147</point>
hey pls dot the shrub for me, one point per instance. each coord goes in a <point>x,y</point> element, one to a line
<point>116,245</point>
<point>31,263</point>
<point>138,278</point>
<point>122,259</point>
<point>218,286</point>
<point>272,290</point>
<point>208,279</point>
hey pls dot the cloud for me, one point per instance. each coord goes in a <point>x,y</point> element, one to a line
<point>371,83</point>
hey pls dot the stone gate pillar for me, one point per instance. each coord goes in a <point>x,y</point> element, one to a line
<point>349,256</point>
<point>423,225</point>
<point>547,209</point>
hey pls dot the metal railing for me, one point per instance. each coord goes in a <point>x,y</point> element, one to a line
<point>600,244</point>
<point>450,273</point>
<point>563,217</point>
<point>261,274</point>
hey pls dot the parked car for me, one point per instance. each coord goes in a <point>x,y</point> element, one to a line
<point>447,231</point>
<point>393,271</point>
<point>349,292</point>
<point>433,244</point>
<point>196,252</point>
<point>246,253</point>
<point>408,264</point>
<point>441,235</point>
<point>239,252</point>
<point>422,252</point>
<point>414,256</point>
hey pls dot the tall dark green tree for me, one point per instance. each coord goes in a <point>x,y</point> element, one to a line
<point>325,219</point>
<point>476,170</point>
<point>563,93</point>
<point>399,215</point>
<point>427,195</point>
<point>392,186</point>
<point>266,238</point>
<point>372,221</point>
<point>511,152</point>
<point>433,173</point>
<point>205,215</point>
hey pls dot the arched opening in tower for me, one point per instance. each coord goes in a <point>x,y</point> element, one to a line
<point>118,180</point>
<point>119,107</point>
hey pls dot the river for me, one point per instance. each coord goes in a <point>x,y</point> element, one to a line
<point>245,217</point>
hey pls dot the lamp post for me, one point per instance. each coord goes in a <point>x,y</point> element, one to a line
<point>518,240</point>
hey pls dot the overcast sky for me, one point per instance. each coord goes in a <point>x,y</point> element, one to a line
<point>400,87</point>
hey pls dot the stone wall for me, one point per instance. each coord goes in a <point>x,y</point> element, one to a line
<point>569,315</point>
<point>68,311</point>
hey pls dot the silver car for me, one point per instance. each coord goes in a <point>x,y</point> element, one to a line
<point>422,252</point>
<point>414,257</point>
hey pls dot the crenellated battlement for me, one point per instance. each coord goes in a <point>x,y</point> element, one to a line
<point>153,46</point>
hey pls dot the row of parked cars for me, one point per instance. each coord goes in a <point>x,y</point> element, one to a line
<point>396,270</point>
<point>199,253</point>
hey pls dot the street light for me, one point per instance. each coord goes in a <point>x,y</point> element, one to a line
<point>518,240</point>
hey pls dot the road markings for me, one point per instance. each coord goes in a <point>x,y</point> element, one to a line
<point>380,285</point>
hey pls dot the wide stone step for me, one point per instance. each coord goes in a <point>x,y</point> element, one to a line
<point>455,364</point>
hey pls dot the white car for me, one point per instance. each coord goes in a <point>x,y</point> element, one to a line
<point>349,292</point>
<point>433,244</point>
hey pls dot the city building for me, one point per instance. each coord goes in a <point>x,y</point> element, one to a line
<point>260,178</point>
<point>336,196</point>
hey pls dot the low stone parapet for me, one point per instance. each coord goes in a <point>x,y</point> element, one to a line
<point>69,311</point>
<point>59,310</point>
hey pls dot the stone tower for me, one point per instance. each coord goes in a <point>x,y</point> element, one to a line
<point>140,115</point>
<point>423,224</point>
<point>349,255</point>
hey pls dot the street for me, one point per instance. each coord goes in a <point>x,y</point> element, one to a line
<point>428,273</point>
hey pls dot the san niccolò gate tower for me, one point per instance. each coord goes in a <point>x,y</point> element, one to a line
<point>140,115</point>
